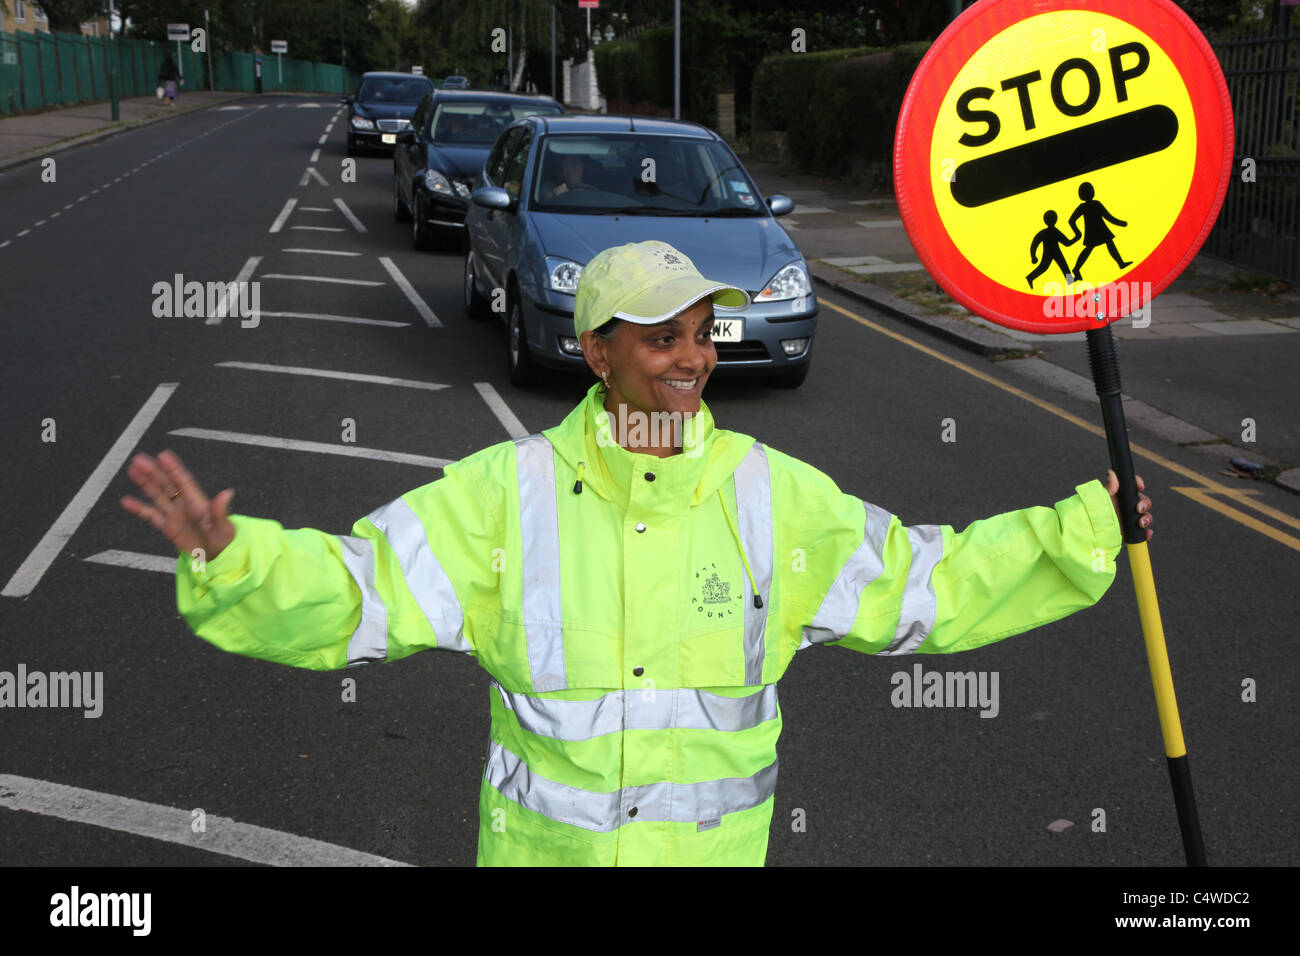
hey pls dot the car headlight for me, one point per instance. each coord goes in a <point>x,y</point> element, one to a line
<point>790,283</point>
<point>436,182</point>
<point>360,122</point>
<point>463,190</point>
<point>564,274</point>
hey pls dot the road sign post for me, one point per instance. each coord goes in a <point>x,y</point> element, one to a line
<point>1108,120</point>
<point>178,32</point>
<point>279,47</point>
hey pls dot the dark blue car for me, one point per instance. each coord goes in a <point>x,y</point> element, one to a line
<point>437,159</point>
<point>381,108</point>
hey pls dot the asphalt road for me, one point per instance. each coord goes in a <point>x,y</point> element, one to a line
<point>396,773</point>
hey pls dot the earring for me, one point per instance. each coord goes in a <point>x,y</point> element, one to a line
<point>605,378</point>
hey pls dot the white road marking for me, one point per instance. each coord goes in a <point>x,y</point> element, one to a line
<point>315,209</point>
<point>243,841</point>
<point>421,306</point>
<point>316,447</point>
<point>309,173</point>
<point>324,252</point>
<point>67,207</point>
<point>347,213</point>
<point>5,243</point>
<point>880,223</point>
<point>225,109</point>
<point>315,155</point>
<point>284,214</point>
<point>321,228</point>
<point>223,307</point>
<point>348,376</point>
<point>334,318</point>
<point>282,275</point>
<point>322,139</point>
<point>134,559</point>
<point>513,426</point>
<point>82,198</point>
<point>39,222</point>
<point>56,214</point>
<point>31,571</point>
<point>24,232</point>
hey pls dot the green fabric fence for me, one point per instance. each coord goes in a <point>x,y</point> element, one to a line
<point>40,70</point>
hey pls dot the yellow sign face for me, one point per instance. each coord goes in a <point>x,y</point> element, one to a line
<point>1069,139</point>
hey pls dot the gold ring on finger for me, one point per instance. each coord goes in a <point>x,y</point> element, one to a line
<point>175,496</point>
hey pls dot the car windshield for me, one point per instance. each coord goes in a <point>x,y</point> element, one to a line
<point>394,89</point>
<point>639,175</point>
<point>469,123</point>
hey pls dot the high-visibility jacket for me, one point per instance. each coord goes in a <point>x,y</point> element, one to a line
<point>635,614</point>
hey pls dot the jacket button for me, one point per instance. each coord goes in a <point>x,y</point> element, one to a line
<point>649,476</point>
<point>632,812</point>
<point>639,527</point>
<point>638,671</point>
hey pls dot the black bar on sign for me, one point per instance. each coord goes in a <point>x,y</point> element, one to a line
<point>1064,156</point>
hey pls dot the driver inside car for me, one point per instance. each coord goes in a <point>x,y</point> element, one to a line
<point>574,169</point>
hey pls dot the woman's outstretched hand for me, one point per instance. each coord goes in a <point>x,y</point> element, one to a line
<point>1143,505</point>
<point>181,512</point>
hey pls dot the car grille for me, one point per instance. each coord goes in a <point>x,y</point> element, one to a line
<point>741,352</point>
<point>392,125</point>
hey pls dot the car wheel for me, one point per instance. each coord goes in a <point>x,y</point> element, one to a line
<point>520,362</point>
<point>400,212</point>
<point>420,238</point>
<point>791,379</point>
<point>476,307</point>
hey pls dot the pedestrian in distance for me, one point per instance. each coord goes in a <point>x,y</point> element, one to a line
<point>1051,239</point>
<point>1095,231</point>
<point>635,580</point>
<point>168,74</point>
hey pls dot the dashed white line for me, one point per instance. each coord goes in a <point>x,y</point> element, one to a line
<point>309,173</point>
<point>136,560</point>
<point>67,207</point>
<point>513,426</point>
<point>284,214</point>
<point>315,155</point>
<point>324,252</point>
<point>82,198</point>
<point>348,376</point>
<point>26,231</point>
<point>316,447</point>
<point>321,141</point>
<point>56,214</point>
<point>5,243</point>
<point>321,228</point>
<point>243,841</point>
<point>343,208</point>
<point>39,222</point>
<point>31,571</point>
<point>334,318</point>
<point>421,306</point>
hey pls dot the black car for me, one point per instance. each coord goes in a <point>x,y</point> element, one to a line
<point>381,108</point>
<point>439,156</point>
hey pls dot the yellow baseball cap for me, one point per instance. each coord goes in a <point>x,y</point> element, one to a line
<point>645,283</point>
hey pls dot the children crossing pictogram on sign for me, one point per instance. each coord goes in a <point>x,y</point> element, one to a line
<point>1051,239</point>
<point>1095,231</point>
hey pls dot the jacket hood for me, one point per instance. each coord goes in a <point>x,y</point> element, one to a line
<point>709,457</point>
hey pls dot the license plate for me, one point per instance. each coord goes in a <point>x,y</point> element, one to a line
<point>388,138</point>
<point>728,330</point>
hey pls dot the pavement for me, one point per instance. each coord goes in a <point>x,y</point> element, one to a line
<point>1214,359</point>
<point>29,137</point>
<point>1238,339</point>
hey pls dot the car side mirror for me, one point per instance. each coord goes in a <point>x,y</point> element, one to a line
<point>780,205</point>
<point>492,197</point>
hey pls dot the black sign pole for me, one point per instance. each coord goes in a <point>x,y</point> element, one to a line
<point>1104,363</point>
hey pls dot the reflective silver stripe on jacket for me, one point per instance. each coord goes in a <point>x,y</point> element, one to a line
<point>683,708</point>
<point>539,526</point>
<point>919,605</point>
<point>425,578</point>
<point>839,610</point>
<point>369,642</point>
<point>754,520</point>
<point>605,812</point>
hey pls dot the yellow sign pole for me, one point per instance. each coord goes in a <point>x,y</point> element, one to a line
<point>1105,375</point>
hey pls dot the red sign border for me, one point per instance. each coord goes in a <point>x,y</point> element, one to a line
<point>1181,40</point>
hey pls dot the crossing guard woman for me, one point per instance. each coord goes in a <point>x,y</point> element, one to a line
<point>635,592</point>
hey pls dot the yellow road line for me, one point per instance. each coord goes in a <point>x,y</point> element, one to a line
<point>1208,485</point>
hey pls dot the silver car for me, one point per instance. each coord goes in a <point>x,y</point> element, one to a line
<point>556,190</point>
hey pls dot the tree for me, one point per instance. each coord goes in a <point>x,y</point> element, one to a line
<point>66,16</point>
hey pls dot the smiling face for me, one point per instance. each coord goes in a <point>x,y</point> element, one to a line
<point>656,368</point>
